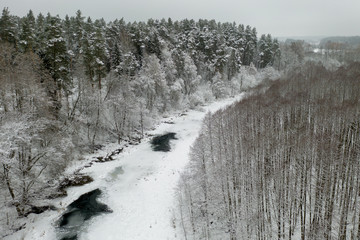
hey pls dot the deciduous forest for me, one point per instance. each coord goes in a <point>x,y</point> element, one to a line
<point>281,164</point>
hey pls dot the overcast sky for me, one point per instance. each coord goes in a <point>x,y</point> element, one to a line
<point>277,17</point>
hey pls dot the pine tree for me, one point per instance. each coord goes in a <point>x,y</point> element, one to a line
<point>99,51</point>
<point>94,51</point>
<point>268,50</point>
<point>265,51</point>
<point>56,58</point>
<point>7,27</point>
<point>40,35</point>
<point>276,53</point>
<point>87,50</point>
<point>27,35</point>
<point>78,31</point>
<point>250,44</point>
<point>68,32</point>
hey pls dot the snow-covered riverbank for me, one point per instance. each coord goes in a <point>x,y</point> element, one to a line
<point>139,186</point>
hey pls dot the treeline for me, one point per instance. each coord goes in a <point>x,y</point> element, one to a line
<point>101,47</point>
<point>337,43</point>
<point>281,164</point>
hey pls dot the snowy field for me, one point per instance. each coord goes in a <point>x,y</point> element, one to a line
<point>139,186</point>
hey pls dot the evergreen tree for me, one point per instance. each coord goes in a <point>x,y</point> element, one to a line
<point>276,53</point>
<point>7,27</point>
<point>268,50</point>
<point>68,32</point>
<point>99,51</point>
<point>233,63</point>
<point>152,43</point>
<point>56,58</point>
<point>87,50</point>
<point>114,33</point>
<point>27,35</point>
<point>250,44</point>
<point>40,35</point>
<point>94,51</point>
<point>265,51</point>
<point>78,31</point>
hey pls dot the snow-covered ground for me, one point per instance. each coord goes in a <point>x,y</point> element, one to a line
<point>139,186</point>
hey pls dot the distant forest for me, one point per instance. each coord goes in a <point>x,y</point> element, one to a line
<point>340,43</point>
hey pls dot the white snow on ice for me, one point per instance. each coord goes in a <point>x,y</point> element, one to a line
<point>139,186</point>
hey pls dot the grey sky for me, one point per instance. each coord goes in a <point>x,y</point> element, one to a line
<point>277,17</point>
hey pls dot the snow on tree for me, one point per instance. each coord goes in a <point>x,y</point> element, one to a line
<point>152,84</point>
<point>81,83</point>
<point>78,31</point>
<point>284,170</point>
<point>219,87</point>
<point>56,56</point>
<point>27,36</point>
<point>26,115</point>
<point>267,51</point>
<point>40,35</point>
<point>8,27</point>
<point>189,75</point>
<point>99,51</point>
<point>22,164</point>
